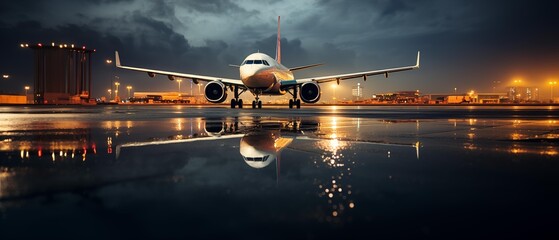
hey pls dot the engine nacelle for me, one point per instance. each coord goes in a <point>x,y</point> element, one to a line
<point>215,92</point>
<point>214,127</point>
<point>150,74</point>
<point>310,92</point>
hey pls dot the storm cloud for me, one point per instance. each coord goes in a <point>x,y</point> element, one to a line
<point>464,44</point>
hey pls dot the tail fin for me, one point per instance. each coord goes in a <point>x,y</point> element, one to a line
<point>278,44</point>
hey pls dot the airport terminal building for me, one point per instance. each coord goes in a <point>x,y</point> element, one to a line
<point>62,73</point>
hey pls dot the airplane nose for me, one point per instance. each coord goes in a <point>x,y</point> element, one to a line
<point>248,71</point>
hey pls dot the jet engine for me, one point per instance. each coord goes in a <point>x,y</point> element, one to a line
<point>310,92</point>
<point>214,127</point>
<point>215,92</point>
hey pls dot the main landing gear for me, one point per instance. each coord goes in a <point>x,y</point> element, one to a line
<point>237,101</point>
<point>294,102</point>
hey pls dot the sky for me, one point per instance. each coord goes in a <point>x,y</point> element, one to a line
<point>465,44</point>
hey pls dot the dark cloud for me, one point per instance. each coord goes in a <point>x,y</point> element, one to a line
<point>161,9</point>
<point>394,7</point>
<point>101,2</point>
<point>212,7</point>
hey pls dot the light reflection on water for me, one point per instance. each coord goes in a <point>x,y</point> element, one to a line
<point>348,165</point>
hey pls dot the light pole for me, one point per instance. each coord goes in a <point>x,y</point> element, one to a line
<point>334,86</point>
<point>108,61</point>
<point>128,87</point>
<point>551,83</point>
<point>110,93</point>
<point>179,82</point>
<point>454,91</point>
<point>116,91</point>
<point>26,89</point>
<point>199,85</point>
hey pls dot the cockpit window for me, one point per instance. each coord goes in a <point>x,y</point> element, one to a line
<point>256,62</point>
<point>257,159</point>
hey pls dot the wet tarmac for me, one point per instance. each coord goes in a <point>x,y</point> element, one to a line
<point>177,172</point>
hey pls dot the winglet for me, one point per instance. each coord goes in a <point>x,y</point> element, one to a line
<point>416,146</point>
<point>117,152</point>
<point>117,59</point>
<point>417,64</point>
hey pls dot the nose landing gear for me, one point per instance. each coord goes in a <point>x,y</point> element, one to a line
<point>257,102</point>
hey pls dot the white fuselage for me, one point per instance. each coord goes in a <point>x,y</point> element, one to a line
<point>262,74</point>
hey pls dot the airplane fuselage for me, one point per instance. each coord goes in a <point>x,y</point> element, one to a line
<point>262,74</point>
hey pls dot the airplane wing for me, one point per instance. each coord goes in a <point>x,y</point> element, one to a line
<point>415,145</point>
<point>173,75</point>
<point>339,77</point>
<point>173,141</point>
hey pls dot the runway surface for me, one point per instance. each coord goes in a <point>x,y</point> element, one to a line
<point>114,172</point>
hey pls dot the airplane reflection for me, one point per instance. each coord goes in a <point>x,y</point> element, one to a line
<point>261,143</point>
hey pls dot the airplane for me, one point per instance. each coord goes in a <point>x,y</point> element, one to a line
<point>261,74</point>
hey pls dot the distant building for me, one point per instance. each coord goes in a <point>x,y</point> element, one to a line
<point>397,97</point>
<point>13,99</point>
<point>357,92</point>
<point>166,97</point>
<point>62,73</point>
<point>471,97</point>
<point>523,94</point>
